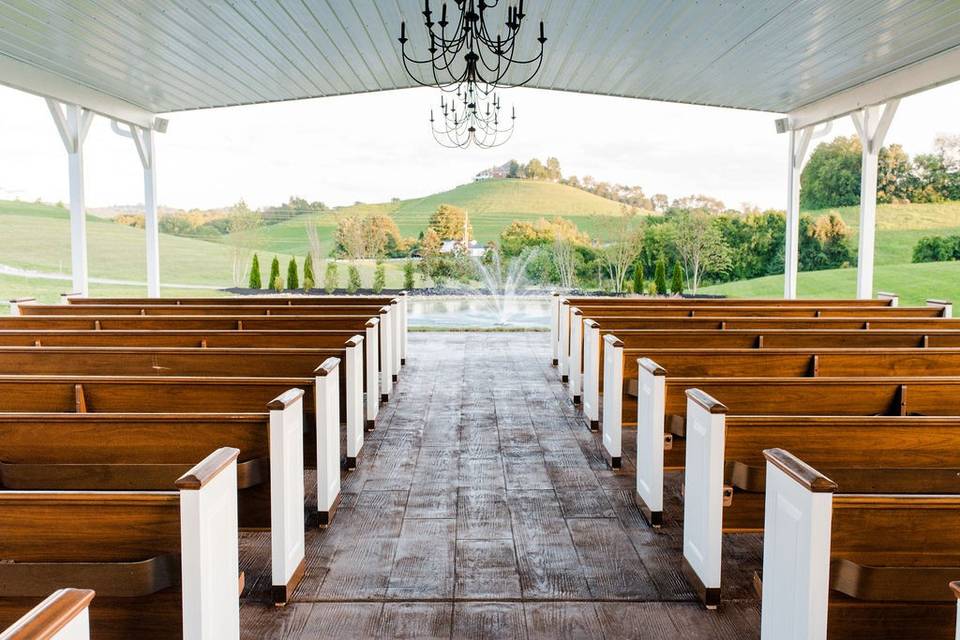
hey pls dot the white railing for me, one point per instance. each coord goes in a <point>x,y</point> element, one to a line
<point>328,440</point>
<point>576,355</point>
<point>591,372</point>
<point>210,562</point>
<point>651,399</point>
<point>372,370</point>
<point>612,397</point>
<point>703,491</point>
<point>286,492</point>
<point>796,554</point>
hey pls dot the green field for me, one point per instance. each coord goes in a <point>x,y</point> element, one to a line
<point>491,206</point>
<point>898,229</point>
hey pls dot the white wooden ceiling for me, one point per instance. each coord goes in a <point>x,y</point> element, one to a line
<point>172,55</point>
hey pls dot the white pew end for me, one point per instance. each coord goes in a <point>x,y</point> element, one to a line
<point>651,399</point>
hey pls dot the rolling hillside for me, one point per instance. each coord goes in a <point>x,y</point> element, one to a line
<point>492,205</point>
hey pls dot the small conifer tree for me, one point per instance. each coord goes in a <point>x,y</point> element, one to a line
<point>408,278</point>
<point>309,280</point>
<point>353,279</point>
<point>330,278</point>
<point>255,281</point>
<point>293,280</point>
<point>275,274</point>
<point>638,278</point>
<point>660,277</point>
<point>379,278</point>
<point>676,285</point>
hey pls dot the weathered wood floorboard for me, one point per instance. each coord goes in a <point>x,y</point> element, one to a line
<point>482,507</point>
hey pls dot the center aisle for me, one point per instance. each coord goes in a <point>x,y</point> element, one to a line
<point>482,507</point>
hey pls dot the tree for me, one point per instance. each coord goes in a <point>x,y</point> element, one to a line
<point>430,256</point>
<point>241,228</point>
<point>379,278</point>
<point>275,273</point>
<point>448,222</point>
<point>408,275</point>
<point>330,278</point>
<point>638,278</point>
<point>309,280</point>
<point>353,279</point>
<point>701,247</point>
<point>626,241</point>
<point>255,281</point>
<point>660,202</point>
<point>564,258</point>
<point>676,285</point>
<point>831,177</point>
<point>293,281</point>
<point>350,237</point>
<point>660,277</point>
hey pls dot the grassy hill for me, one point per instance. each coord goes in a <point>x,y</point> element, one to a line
<point>491,205</point>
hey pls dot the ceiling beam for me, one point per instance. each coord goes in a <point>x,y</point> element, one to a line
<point>37,81</point>
<point>928,73</point>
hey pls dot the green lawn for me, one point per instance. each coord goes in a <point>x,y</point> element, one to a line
<point>915,283</point>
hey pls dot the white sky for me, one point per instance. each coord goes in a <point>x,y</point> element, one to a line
<point>373,147</point>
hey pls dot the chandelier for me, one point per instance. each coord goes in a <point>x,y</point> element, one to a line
<point>465,56</point>
<point>471,118</point>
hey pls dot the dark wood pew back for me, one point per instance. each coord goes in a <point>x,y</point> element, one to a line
<point>197,310</point>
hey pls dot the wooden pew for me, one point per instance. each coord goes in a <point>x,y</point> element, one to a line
<point>63,615</point>
<point>164,564</point>
<point>399,301</point>
<point>847,564</point>
<point>627,375</point>
<point>661,444</point>
<point>725,479</point>
<point>388,330</point>
<point>221,340</point>
<point>148,452</point>
<point>301,364</point>
<point>557,300</point>
<point>572,317</point>
<point>739,339</point>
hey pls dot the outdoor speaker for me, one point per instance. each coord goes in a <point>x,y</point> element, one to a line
<point>783,124</point>
<point>160,125</point>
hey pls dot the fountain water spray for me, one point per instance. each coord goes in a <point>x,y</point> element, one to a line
<point>502,285</point>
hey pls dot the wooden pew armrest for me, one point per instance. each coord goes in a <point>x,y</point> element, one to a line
<point>800,471</point>
<point>209,468</point>
<point>109,579</point>
<point>49,617</point>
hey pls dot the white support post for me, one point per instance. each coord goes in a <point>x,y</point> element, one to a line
<point>372,371</point>
<point>574,389</point>
<point>146,150</point>
<point>354,399</point>
<point>796,553</point>
<point>555,326</point>
<point>210,559</point>
<point>799,141</point>
<point>396,310</point>
<point>591,373</point>
<point>872,124</point>
<point>651,403</point>
<point>564,340</point>
<point>612,399</point>
<point>73,122</point>
<point>386,355</point>
<point>286,494</point>
<point>703,493</point>
<point>328,439</point>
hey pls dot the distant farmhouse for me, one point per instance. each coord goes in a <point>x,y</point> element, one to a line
<point>494,173</point>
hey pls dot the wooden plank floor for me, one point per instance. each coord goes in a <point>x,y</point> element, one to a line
<point>482,508</point>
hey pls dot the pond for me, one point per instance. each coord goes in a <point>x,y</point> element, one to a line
<point>479,312</point>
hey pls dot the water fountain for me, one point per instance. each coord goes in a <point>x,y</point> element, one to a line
<point>503,286</point>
